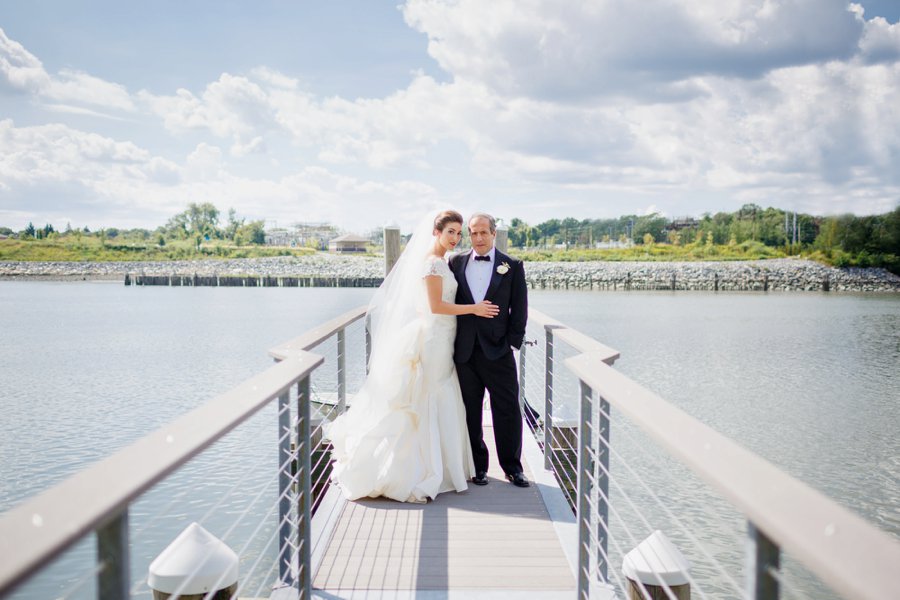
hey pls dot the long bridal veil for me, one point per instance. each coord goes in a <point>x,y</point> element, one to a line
<point>376,443</point>
<point>401,301</point>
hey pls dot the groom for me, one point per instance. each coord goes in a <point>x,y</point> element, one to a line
<point>482,352</point>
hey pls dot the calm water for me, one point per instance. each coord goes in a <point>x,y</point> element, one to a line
<point>807,381</point>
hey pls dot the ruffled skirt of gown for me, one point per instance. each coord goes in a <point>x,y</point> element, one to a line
<point>404,436</point>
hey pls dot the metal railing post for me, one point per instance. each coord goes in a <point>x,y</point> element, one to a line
<point>762,555</point>
<point>522,377</point>
<point>548,396</point>
<point>603,451</point>
<point>341,370</point>
<point>304,492</point>
<point>285,477</point>
<point>113,555</point>
<point>368,341</point>
<point>585,471</point>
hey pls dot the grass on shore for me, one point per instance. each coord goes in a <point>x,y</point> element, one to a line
<point>92,249</point>
<point>73,248</point>
<point>656,252</point>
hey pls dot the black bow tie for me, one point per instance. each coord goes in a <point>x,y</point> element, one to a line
<point>487,258</point>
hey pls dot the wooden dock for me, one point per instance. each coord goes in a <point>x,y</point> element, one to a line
<point>485,542</point>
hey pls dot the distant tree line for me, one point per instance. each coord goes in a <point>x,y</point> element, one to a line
<point>198,223</point>
<point>846,240</point>
<point>843,240</point>
<point>201,222</point>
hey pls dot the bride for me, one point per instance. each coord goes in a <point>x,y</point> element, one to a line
<point>405,436</point>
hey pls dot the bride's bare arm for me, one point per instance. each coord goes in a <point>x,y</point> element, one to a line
<point>434,284</point>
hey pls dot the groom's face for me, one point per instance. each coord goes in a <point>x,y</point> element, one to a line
<point>481,234</point>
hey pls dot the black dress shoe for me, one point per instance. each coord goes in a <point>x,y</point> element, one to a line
<point>480,478</point>
<point>518,479</point>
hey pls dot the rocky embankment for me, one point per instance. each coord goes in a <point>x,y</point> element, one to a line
<point>326,269</point>
<point>319,265</point>
<point>757,275</point>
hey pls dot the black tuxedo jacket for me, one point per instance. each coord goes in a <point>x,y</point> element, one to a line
<point>509,292</point>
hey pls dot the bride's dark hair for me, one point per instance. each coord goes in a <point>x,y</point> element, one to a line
<point>447,216</point>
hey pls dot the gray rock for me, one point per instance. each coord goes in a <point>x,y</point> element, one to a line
<point>759,275</point>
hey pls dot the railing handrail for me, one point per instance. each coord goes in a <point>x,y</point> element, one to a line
<point>34,532</point>
<point>313,337</point>
<point>855,558</point>
<point>574,338</point>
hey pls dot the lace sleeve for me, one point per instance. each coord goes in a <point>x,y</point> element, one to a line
<point>431,267</point>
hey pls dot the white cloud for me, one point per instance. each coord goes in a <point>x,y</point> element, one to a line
<point>274,78</point>
<point>231,107</point>
<point>56,173</point>
<point>57,152</point>
<point>81,88</point>
<point>576,50</point>
<point>64,92</point>
<point>77,173</point>
<point>801,124</point>
<point>549,107</point>
<point>881,40</point>
<point>21,70</point>
<point>205,162</point>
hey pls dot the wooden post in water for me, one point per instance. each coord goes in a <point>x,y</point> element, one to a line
<point>391,248</point>
<point>501,242</point>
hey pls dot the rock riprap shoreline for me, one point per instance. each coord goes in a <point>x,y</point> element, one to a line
<point>757,275</point>
<point>332,270</point>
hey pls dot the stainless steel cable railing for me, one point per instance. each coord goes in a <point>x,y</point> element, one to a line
<point>270,525</point>
<point>630,463</point>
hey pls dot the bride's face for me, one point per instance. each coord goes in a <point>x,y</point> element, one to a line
<point>450,236</point>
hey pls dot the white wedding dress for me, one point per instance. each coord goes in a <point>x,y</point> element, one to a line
<point>404,436</point>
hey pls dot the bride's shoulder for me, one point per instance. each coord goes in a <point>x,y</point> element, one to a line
<point>432,265</point>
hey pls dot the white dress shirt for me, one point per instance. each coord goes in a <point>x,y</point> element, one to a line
<point>478,274</point>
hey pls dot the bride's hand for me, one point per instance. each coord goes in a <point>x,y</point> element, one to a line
<point>486,309</point>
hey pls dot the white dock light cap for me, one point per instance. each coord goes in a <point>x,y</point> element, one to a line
<point>194,562</point>
<point>656,561</point>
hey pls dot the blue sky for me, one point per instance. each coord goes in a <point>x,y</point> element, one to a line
<point>368,113</point>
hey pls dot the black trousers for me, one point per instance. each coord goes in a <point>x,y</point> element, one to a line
<point>501,380</point>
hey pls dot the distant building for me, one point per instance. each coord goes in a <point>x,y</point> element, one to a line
<point>348,243</point>
<point>280,237</point>
<point>681,223</point>
<point>306,235</point>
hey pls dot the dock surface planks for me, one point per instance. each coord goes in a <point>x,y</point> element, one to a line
<point>491,538</point>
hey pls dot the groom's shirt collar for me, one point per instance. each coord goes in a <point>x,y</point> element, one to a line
<point>492,253</point>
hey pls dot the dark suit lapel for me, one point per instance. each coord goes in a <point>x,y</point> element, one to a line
<point>499,259</point>
<point>461,264</point>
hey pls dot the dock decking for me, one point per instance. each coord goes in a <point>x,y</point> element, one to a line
<point>485,542</point>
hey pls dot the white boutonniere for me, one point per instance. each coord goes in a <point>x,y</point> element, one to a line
<point>503,269</point>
